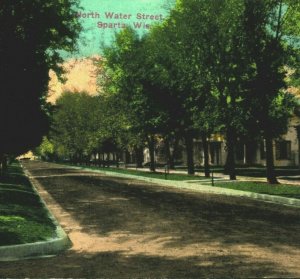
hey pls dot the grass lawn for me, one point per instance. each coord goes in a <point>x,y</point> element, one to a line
<point>157,174</point>
<point>290,191</point>
<point>23,218</point>
<point>240,171</point>
<point>258,171</point>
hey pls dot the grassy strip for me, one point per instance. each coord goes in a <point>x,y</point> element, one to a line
<point>23,218</point>
<point>157,174</point>
<point>251,172</point>
<point>262,172</point>
<point>259,171</point>
<point>284,190</point>
<point>291,191</point>
<point>240,171</point>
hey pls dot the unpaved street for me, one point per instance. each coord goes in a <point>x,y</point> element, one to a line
<point>122,228</point>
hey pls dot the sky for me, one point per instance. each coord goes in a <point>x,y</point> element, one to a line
<point>80,70</point>
<point>94,18</point>
<point>80,75</point>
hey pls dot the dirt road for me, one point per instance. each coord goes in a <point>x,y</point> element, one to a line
<point>122,228</point>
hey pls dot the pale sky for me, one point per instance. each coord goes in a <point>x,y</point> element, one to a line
<point>81,76</point>
<point>80,68</point>
<point>93,36</point>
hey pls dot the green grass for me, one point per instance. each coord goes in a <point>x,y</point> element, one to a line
<point>249,171</point>
<point>284,190</point>
<point>258,171</point>
<point>255,171</point>
<point>157,174</point>
<point>23,218</point>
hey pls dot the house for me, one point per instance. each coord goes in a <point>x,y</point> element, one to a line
<point>286,150</point>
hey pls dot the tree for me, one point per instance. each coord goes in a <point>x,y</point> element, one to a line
<point>46,149</point>
<point>32,34</point>
<point>212,67</point>
<point>126,73</point>
<point>244,61</point>
<point>173,71</point>
<point>268,25</point>
<point>85,125</point>
<point>77,130</point>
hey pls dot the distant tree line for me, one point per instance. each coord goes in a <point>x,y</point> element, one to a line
<point>211,67</point>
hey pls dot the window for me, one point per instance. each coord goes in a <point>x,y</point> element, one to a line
<point>283,150</point>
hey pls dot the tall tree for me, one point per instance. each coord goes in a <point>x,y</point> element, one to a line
<point>210,33</point>
<point>31,35</point>
<point>268,28</point>
<point>127,72</point>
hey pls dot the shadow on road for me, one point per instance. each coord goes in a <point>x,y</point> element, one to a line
<point>130,206</point>
<point>118,265</point>
<point>122,228</point>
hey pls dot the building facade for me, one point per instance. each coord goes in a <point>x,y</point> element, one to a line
<point>285,150</point>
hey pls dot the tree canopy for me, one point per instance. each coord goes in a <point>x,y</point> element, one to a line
<point>211,67</point>
<point>33,33</point>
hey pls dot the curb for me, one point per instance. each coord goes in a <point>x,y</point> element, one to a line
<point>38,249</point>
<point>204,188</point>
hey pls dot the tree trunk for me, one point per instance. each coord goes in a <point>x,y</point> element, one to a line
<point>168,152</point>
<point>298,152</point>
<point>171,155</point>
<point>76,161</point>
<point>271,177</point>
<point>151,145</point>
<point>139,154</point>
<point>298,137</point>
<point>102,160</point>
<point>80,159</point>
<point>117,159</point>
<point>126,161</point>
<point>108,160</point>
<point>1,164</point>
<point>98,159</point>
<point>230,161</point>
<point>190,152</point>
<point>206,157</point>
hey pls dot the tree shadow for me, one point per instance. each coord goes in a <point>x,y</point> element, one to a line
<point>173,220</point>
<point>121,265</point>
<point>126,205</point>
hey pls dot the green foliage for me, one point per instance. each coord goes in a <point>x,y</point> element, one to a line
<point>75,124</point>
<point>285,190</point>
<point>84,125</point>
<point>126,81</point>
<point>32,35</point>
<point>46,149</point>
<point>210,67</point>
<point>269,51</point>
